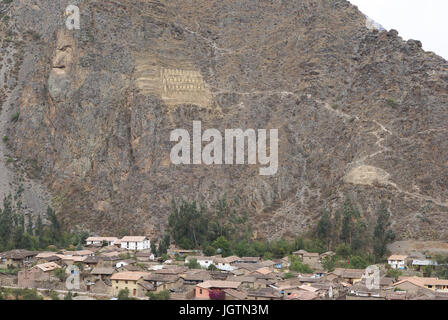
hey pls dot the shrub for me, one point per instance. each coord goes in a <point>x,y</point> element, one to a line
<point>162,295</point>
<point>15,117</point>
<point>392,103</point>
<point>193,264</point>
<point>217,295</point>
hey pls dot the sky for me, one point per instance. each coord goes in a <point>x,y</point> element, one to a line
<point>424,20</point>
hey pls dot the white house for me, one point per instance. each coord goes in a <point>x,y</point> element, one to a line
<point>397,261</point>
<point>99,240</point>
<point>225,264</point>
<point>204,262</point>
<point>135,243</point>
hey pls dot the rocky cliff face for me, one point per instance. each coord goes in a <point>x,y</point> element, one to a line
<point>360,112</point>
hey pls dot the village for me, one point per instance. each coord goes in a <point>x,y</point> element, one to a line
<point>109,268</point>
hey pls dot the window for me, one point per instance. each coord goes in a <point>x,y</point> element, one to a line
<point>126,281</point>
<point>200,291</point>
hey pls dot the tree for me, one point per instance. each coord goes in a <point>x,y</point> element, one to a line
<point>324,228</point>
<point>348,217</point>
<point>60,274</point>
<point>298,266</point>
<point>123,294</point>
<point>329,263</point>
<point>381,235</point>
<point>68,296</point>
<point>212,267</point>
<point>193,264</point>
<point>224,245</point>
<point>343,250</point>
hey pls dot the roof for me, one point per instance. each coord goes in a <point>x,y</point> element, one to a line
<point>230,259</point>
<point>49,266</point>
<point>103,271</point>
<point>240,295</point>
<point>133,239</point>
<point>248,259</point>
<point>45,254</point>
<point>416,262</point>
<point>102,239</point>
<point>301,295</point>
<point>78,253</point>
<point>175,270</point>
<point>299,252</point>
<point>349,273</point>
<point>223,284</point>
<point>197,276</point>
<point>397,257</point>
<point>18,254</point>
<point>129,275</point>
<point>263,270</point>
<point>422,282</point>
<point>157,277</point>
<point>266,293</point>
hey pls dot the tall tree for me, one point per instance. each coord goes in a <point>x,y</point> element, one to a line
<point>381,235</point>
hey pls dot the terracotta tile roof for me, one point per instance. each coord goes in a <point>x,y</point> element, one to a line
<point>421,282</point>
<point>397,257</point>
<point>301,295</point>
<point>263,271</point>
<point>133,239</point>
<point>49,266</point>
<point>129,275</point>
<point>223,284</point>
<point>102,239</point>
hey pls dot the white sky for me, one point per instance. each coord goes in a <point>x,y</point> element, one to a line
<point>424,20</point>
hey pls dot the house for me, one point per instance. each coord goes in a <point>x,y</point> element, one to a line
<point>144,255</point>
<point>360,290</point>
<point>160,281</point>
<point>194,277</point>
<point>99,241</point>
<point>301,295</point>
<point>135,243</point>
<point>226,264</point>
<point>418,264</point>
<point>16,258</point>
<point>40,272</point>
<point>102,272</point>
<point>203,289</point>
<point>44,257</point>
<point>127,280</point>
<point>350,276</point>
<point>310,258</point>
<point>265,294</point>
<point>204,262</point>
<point>246,260</point>
<point>173,252</point>
<point>79,253</point>
<point>413,284</point>
<point>397,261</point>
<point>278,264</point>
<point>232,294</point>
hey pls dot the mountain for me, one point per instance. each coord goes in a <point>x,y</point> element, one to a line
<point>88,113</point>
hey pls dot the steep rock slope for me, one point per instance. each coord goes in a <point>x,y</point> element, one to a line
<point>360,113</point>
